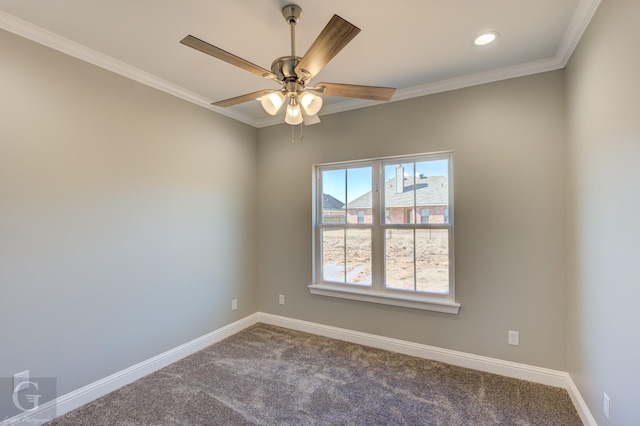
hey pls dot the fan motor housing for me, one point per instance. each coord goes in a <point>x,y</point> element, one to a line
<point>285,67</point>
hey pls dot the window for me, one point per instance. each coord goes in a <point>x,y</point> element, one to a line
<point>383,231</point>
<point>424,216</point>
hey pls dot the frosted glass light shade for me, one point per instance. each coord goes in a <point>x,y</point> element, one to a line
<point>311,103</point>
<point>272,102</point>
<point>293,115</point>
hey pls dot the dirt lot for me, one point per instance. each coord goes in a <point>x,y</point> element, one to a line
<point>431,254</point>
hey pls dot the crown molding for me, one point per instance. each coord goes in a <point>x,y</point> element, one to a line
<point>490,76</point>
<point>47,38</point>
<point>436,87</point>
<point>578,25</point>
<point>584,13</point>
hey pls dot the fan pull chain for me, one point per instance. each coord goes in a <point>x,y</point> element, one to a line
<point>293,135</point>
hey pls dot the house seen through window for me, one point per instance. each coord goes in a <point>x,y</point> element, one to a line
<point>383,230</point>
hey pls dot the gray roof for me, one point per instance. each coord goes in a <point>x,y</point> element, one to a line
<point>331,203</point>
<point>429,191</point>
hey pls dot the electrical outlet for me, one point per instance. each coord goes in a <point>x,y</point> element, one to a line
<point>514,338</point>
<point>234,304</point>
<point>606,406</point>
<point>20,381</point>
<point>281,299</point>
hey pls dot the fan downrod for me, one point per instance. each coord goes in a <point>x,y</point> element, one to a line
<point>284,67</point>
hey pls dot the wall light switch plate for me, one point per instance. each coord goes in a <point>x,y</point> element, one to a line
<point>19,379</point>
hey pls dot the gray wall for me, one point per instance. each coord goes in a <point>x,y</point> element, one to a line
<point>509,158</point>
<point>603,99</point>
<point>127,219</point>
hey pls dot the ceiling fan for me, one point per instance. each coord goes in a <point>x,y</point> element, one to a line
<point>293,73</point>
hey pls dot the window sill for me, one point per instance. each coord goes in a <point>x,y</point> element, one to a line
<point>413,301</point>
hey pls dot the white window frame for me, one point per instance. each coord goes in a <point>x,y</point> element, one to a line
<point>377,292</point>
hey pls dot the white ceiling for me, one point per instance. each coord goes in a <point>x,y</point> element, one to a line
<point>418,46</point>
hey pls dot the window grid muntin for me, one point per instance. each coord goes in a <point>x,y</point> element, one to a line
<point>379,221</point>
<point>322,225</point>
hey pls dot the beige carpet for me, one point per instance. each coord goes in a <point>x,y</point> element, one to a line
<point>268,375</point>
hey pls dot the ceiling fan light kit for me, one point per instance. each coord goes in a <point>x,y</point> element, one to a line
<point>293,115</point>
<point>311,103</point>
<point>294,73</point>
<point>272,102</point>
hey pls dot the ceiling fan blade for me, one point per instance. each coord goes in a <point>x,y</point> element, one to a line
<point>333,38</point>
<point>243,98</point>
<point>354,91</point>
<point>223,55</point>
<point>308,120</point>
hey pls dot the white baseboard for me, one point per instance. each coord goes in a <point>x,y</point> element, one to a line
<point>544,376</point>
<point>585,415</point>
<point>95,390</point>
<point>115,381</point>
<point>462,359</point>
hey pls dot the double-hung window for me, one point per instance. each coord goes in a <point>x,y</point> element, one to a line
<point>383,231</point>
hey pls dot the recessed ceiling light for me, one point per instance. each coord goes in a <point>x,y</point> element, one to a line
<point>486,38</point>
